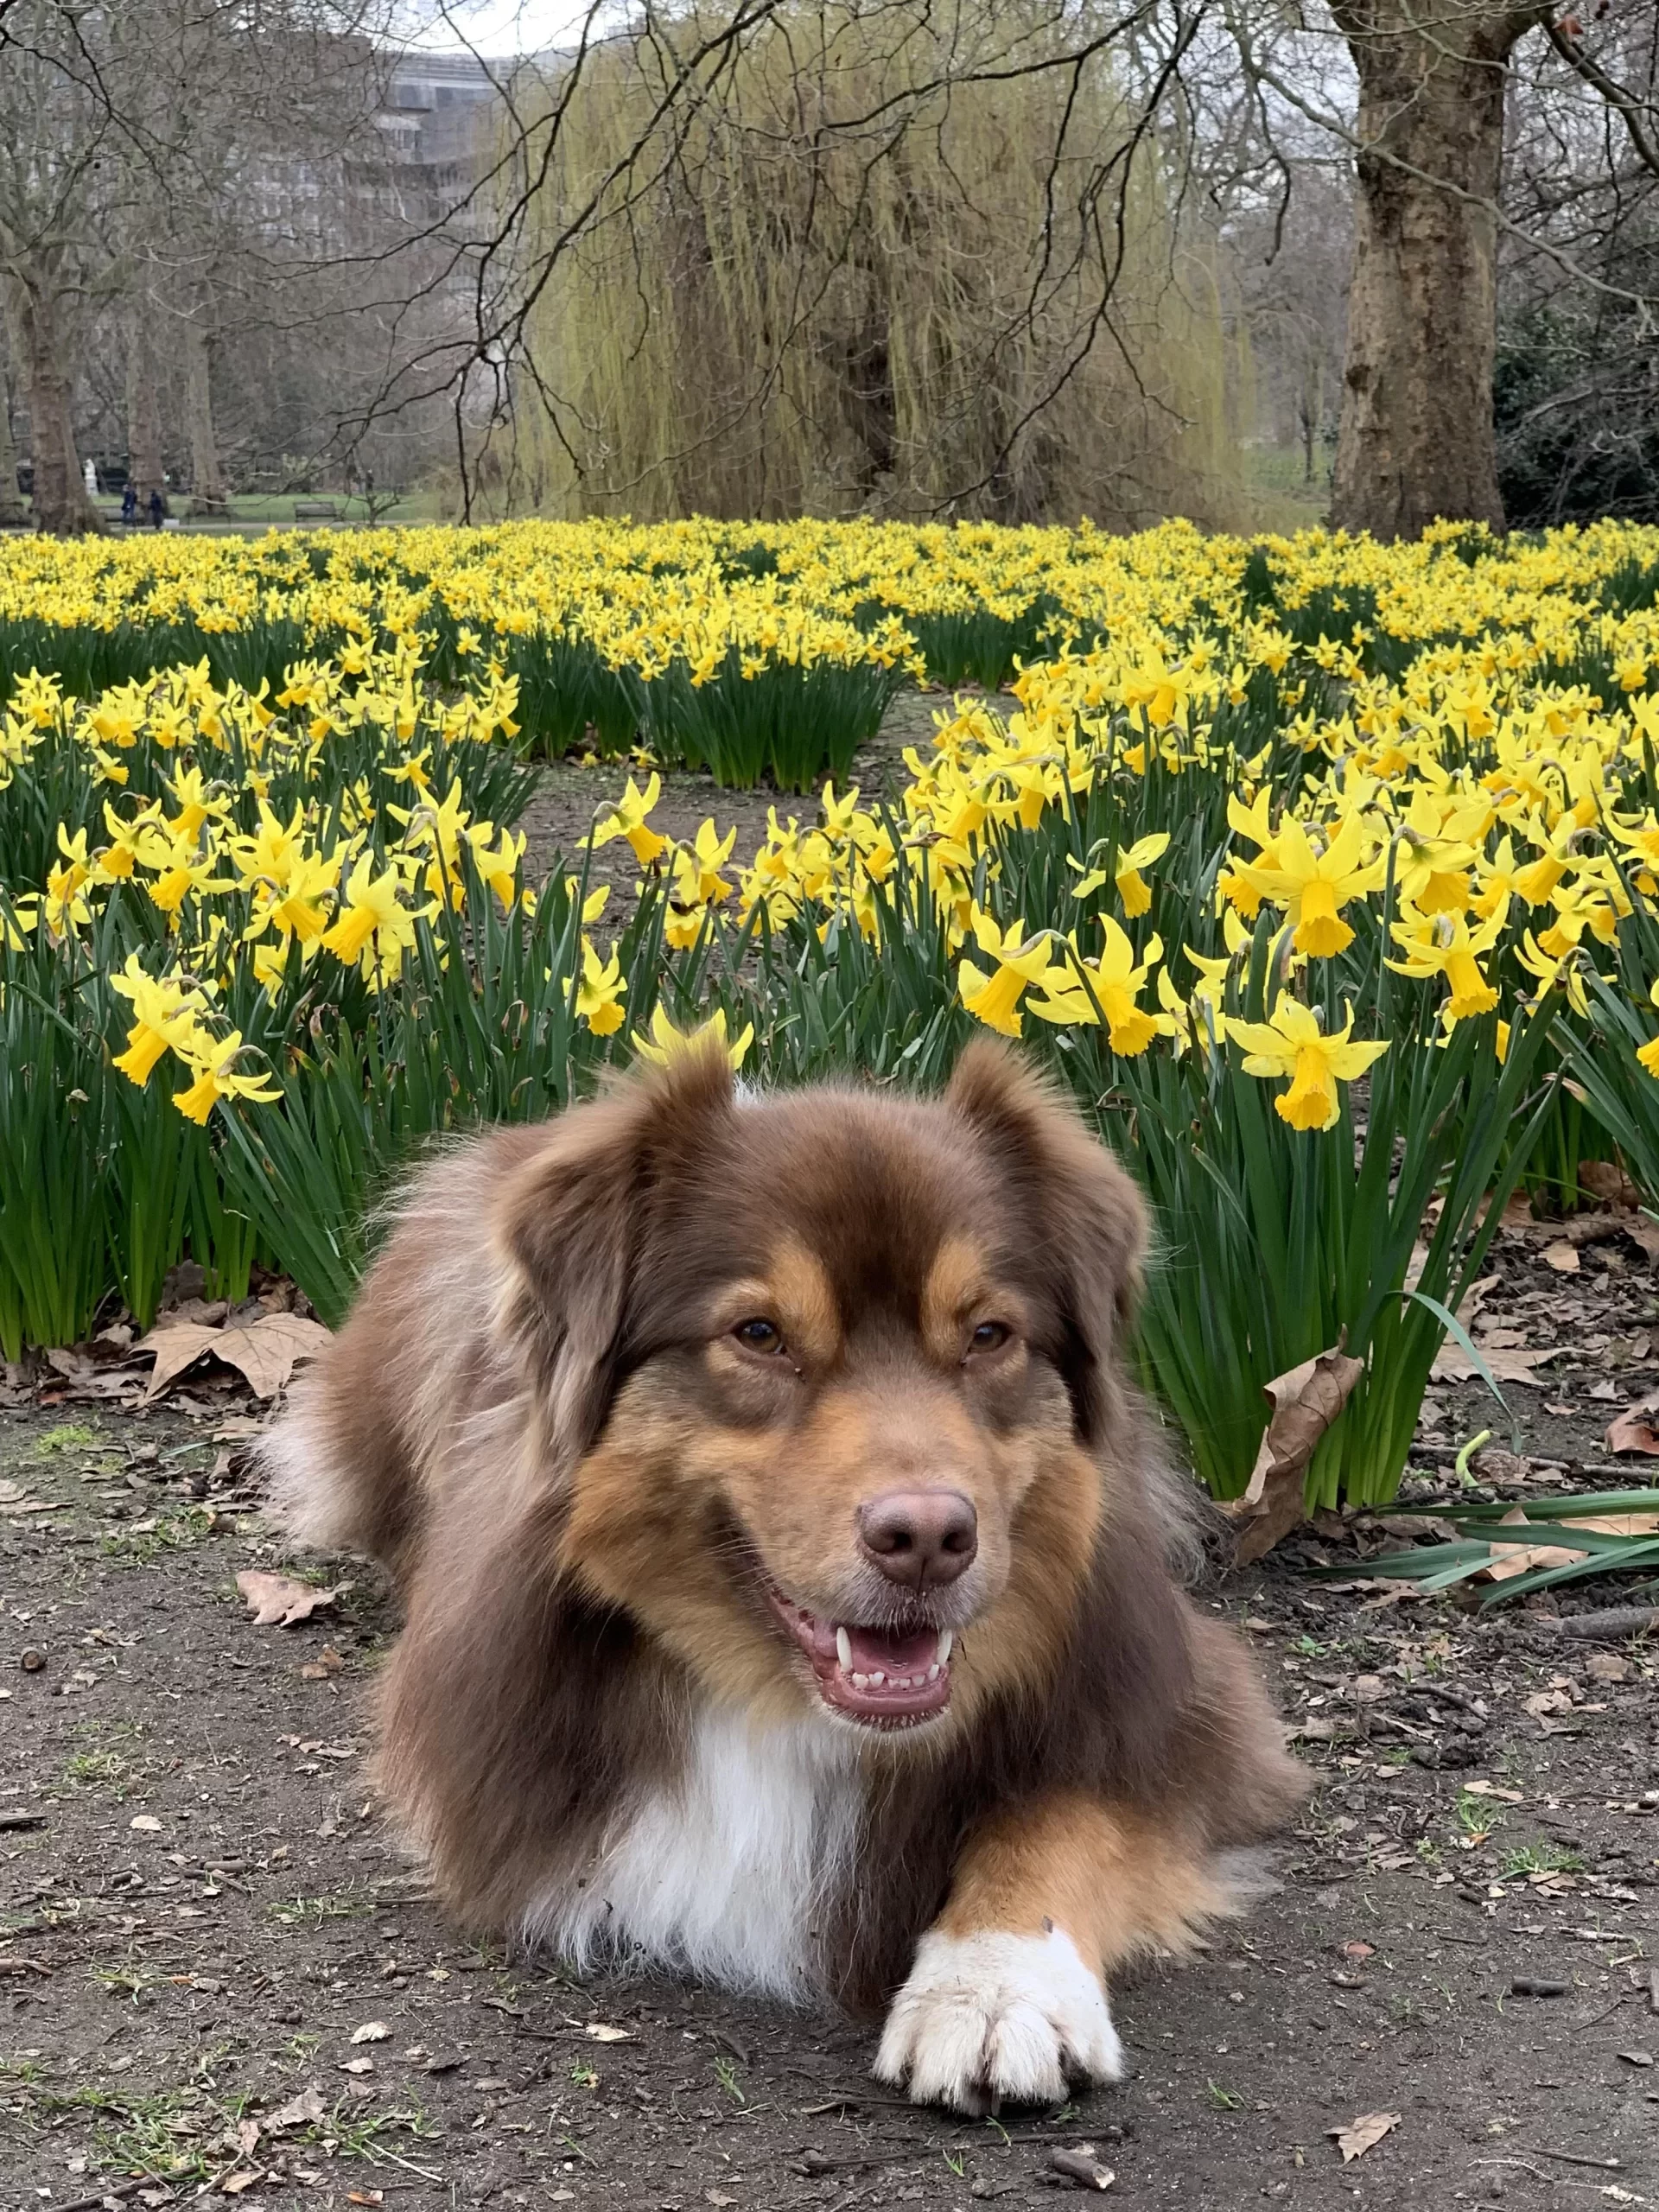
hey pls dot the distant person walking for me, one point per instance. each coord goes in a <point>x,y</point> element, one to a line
<point>157,509</point>
<point>130,503</point>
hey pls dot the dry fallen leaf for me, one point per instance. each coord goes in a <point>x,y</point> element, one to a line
<point>1633,1430</point>
<point>1607,1666</point>
<point>602,2031</point>
<point>266,1350</point>
<point>371,2032</point>
<point>1511,1560</point>
<point>1362,2134</point>
<point>1607,1180</point>
<point>358,2066</point>
<point>278,1601</point>
<point>303,2111</point>
<point>233,2184</point>
<point>146,1824</point>
<point>327,1662</point>
<point>1454,1364</point>
<point>1305,1402</point>
<point>1563,1257</point>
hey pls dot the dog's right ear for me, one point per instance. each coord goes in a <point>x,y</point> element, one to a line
<point>571,1220</point>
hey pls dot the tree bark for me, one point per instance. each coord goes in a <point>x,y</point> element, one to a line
<point>207,477</point>
<point>40,343</point>
<point>1415,440</point>
<point>145,469</point>
<point>12,511</point>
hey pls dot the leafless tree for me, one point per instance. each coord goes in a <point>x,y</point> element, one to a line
<point>1482,136</point>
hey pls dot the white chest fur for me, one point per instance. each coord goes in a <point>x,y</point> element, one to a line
<point>723,1873</point>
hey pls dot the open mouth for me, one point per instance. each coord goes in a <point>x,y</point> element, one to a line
<point>887,1677</point>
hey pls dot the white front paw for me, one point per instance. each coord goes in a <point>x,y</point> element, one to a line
<point>996,2016</point>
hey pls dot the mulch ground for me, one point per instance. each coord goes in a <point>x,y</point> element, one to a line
<point>221,1979</point>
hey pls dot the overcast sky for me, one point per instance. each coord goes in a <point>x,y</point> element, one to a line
<point>503,27</point>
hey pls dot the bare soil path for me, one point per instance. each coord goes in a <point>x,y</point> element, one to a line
<point>569,795</point>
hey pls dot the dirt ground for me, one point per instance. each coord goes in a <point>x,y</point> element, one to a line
<point>570,795</point>
<point>220,1979</point>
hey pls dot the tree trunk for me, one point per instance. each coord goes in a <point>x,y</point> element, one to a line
<point>12,511</point>
<point>208,478</point>
<point>145,470</point>
<point>1415,438</point>
<point>40,342</point>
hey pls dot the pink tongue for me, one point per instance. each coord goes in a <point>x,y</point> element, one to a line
<point>875,1648</point>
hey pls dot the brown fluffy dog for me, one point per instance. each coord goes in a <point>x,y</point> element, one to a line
<point>787,1571</point>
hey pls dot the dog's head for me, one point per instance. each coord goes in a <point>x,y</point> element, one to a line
<point>828,1377</point>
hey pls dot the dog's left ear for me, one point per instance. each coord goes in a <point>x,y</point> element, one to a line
<point>571,1221</point>
<point>1088,1222</point>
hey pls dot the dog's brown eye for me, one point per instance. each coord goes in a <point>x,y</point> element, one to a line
<point>759,1335</point>
<point>989,1335</point>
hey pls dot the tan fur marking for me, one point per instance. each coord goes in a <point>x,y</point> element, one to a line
<point>957,1283</point>
<point>805,1302</point>
<point>1117,1882</point>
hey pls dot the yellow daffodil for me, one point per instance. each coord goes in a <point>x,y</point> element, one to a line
<point>165,1019</point>
<point>665,1041</point>
<point>1114,984</point>
<point>1313,882</point>
<point>1020,966</point>
<point>600,992</point>
<point>627,819</point>
<point>373,926</point>
<point>210,1061</point>
<point>1291,1043</point>
<point>1443,944</point>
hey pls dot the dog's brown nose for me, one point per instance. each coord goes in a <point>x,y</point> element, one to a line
<point>919,1537</point>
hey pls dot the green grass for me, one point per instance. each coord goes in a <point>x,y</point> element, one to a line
<point>298,1912</point>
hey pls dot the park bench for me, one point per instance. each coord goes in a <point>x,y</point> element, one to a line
<point>316,510</point>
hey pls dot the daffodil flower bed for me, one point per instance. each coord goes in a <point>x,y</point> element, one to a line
<point>1324,875</point>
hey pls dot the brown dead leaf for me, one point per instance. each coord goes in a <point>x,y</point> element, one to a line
<point>303,2111</point>
<point>1643,1230</point>
<point>1363,2134</point>
<point>1454,1364</point>
<point>1562,1256</point>
<point>1304,1402</point>
<point>278,1601</point>
<point>602,2031</point>
<point>265,1351</point>
<point>1607,1180</point>
<point>327,1662</point>
<point>233,2184</point>
<point>1633,1430</point>
<point>1607,1666</point>
<point>1513,1559</point>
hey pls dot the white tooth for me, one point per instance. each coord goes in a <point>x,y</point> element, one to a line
<point>845,1648</point>
<point>861,1682</point>
<point>933,1672</point>
<point>898,1683</point>
<point>877,1679</point>
<point>945,1642</point>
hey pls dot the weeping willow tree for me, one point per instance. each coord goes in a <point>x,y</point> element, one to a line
<point>897,257</point>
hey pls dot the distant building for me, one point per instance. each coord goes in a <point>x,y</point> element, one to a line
<point>436,121</point>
